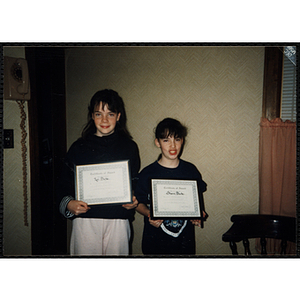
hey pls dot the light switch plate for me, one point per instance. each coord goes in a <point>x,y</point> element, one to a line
<point>8,138</point>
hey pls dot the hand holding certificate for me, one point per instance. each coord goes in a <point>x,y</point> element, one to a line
<point>106,183</point>
<point>175,199</point>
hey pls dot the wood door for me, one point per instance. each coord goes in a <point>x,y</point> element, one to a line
<point>47,124</point>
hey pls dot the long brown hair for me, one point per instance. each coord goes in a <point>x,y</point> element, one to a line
<point>115,104</point>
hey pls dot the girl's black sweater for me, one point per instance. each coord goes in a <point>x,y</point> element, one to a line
<point>95,150</point>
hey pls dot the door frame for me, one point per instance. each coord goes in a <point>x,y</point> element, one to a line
<point>47,78</point>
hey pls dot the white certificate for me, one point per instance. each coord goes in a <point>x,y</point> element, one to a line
<point>107,183</point>
<point>175,199</point>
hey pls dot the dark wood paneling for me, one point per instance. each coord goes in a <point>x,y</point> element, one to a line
<point>47,123</point>
<point>272,82</point>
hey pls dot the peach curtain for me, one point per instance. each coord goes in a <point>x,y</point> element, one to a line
<point>277,172</point>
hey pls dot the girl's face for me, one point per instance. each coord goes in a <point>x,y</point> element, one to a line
<point>170,147</point>
<point>105,120</point>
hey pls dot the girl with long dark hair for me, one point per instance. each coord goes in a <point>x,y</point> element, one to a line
<point>100,229</point>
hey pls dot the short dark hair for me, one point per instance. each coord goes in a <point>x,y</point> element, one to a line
<point>171,127</point>
<point>114,103</point>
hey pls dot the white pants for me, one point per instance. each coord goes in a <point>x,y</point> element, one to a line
<point>100,237</point>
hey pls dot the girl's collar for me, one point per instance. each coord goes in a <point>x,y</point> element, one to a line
<point>106,136</point>
<point>170,167</point>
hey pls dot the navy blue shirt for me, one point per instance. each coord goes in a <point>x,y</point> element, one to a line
<point>172,232</point>
<point>95,150</point>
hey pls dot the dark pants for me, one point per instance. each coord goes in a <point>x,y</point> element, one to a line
<point>160,243</point>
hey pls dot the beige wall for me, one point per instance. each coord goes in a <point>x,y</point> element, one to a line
<point>16,236</point>
<point>215,91</point>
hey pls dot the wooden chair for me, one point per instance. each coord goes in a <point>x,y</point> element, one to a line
<point>246,227</point>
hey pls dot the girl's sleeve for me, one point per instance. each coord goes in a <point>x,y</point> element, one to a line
<point>141,191</point>
<point>66,187</point>
<point>202,187</point>
<point>135,166</point>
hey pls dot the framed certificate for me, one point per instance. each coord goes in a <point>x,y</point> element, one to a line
<point>172,198</point>
<point>106,183</point>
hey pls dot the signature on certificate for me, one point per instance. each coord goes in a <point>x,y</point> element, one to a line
<point>97,179</point>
